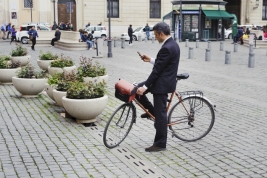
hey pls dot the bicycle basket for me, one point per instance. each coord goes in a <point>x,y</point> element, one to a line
<point>124,91</point>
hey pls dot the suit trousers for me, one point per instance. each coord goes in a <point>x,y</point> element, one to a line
<point>159,110</point>
<point>53,41</point>
<point>33,42</point>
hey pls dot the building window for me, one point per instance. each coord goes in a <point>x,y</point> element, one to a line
<point>264,10</point>
<point>114,8</point>
<point>155,8</point>
<point>28,3</point>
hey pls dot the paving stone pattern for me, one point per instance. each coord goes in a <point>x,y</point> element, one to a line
<point>36,141</point>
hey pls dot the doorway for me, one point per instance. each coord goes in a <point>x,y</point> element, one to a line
<point>233,7</point>
<point>67,12</point>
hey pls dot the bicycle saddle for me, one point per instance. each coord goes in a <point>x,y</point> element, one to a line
<point>182,76</point>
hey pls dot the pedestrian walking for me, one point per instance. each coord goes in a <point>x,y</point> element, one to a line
<point>147,29</point>
<point>57,37</point>
<point>130,33</point>
<point>3,29</point>
<point>87,25</point>
<point>161,81</point>
<point>13,34</point>
<point>8,30</point>
<point>33,36</point>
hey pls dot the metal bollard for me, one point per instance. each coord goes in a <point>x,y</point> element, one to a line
<point>123,43</point>
<point>190,53</point>
<point>235,47</point>
<point>227,57</point>
<point>207,56</point>
<point>197,43</point>
<point>153,38</point>
<point>251,46</point>
<point>139,38</point>
<point>115,42</point>
<point>209,45</point>
<point>186,43</point>
<point>221,46</point>
<point>251,60</point>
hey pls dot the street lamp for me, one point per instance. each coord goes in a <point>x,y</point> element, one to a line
<point>109,38</point>
<point>54,25</point>
<point>31,9</point>
<point>180,25</point>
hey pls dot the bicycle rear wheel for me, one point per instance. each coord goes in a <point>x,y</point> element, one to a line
<point>119,125</point>
<point>197,124</point>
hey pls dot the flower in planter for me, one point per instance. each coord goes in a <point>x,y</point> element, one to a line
<point>5,58</point>
<point>47,56</point>
<point>62,61</point>
<point>88,69</point>
<point>19,51</point>
<point>28,71</point>
<point>6,64</point>
<point>79,90</point>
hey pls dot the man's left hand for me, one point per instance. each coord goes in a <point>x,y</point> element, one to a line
<point>140,91</point>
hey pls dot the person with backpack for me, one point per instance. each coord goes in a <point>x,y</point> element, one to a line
<point>3,29</point>
<point>13,34</point>
<point>8,29</point>
<point>34,34</point>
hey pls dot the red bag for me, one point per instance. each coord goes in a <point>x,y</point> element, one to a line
<point>125,91</point>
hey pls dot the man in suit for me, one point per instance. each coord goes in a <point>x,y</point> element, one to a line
<point>161,81</point>
<point>57,37</point>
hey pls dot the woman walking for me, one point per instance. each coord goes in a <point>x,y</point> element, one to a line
<point>13,34</point>
<point>33,34</point>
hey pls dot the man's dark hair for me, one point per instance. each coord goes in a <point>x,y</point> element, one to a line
<point>92,31</point>
<point>162,27</point>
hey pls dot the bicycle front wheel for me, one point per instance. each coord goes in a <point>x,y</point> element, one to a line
<point>191,119</point>
<point>119,125</point>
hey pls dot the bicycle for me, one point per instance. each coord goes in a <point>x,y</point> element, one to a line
<point>190,114</point>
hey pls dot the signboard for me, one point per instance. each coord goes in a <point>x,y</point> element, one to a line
<point>190,12</point>
<point>196,7</point>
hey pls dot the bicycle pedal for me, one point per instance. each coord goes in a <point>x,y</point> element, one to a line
<point>149,118</point>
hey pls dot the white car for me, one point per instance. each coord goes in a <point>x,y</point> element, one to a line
<point>228,33</point>
<point>99,31</point>
<point>139,30</point>
<point>23,36</point>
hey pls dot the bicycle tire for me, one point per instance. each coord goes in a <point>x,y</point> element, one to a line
<point>188,127</point>
<point>122,119</point>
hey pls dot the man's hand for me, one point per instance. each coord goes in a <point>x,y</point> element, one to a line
<point>140,91</point>
<point>146,58</point>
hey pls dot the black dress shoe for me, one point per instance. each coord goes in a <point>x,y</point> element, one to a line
<point>154,149</point>
<point>145,115</point>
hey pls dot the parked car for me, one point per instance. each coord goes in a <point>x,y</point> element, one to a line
<point>22,34</point>
<point>99,31</point>
<point>228,33</point>
<point>139,30</point>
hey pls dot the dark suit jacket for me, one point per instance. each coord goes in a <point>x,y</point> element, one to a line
<point>57,35</point>
<point>162,79</point>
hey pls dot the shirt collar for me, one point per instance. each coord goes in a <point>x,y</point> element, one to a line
<point>165,40</point>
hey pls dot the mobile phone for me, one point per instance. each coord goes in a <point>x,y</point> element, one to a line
<point>139,54</point>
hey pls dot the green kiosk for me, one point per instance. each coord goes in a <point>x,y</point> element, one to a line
<point>234,25</point>
<point>199,19</point>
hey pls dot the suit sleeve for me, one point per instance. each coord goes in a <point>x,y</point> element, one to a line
<point>160,63</point>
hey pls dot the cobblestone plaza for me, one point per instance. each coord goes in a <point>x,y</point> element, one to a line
<point>36,141</point>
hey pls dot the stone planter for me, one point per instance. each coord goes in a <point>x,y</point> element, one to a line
<point>49,91</point>
<point>43,64</point>
<point>53,70</point>
<point>85,110</point>
<point>29,87</point>
<point>58,96</point>
<point>24,60</point>
<point>7,74</point>
<point>96,79</point>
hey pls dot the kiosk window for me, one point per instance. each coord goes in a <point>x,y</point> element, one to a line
<point>190,23</point>
<point>207,23</point>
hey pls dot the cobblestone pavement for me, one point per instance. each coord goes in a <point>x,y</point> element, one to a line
<point>36,141</point>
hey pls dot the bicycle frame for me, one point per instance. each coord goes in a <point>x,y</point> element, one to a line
<point>168,106</point>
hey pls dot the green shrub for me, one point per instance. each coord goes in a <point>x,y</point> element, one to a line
<point>47,56</point>
<point>28,71</point>
<point>63,61</point>
<point>4,64</point>
<point>19,51</point>
<point>87,69</point>
<point>5,58</point>
<point>79,90</point>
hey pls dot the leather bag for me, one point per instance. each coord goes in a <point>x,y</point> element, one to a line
<point>125,91</point>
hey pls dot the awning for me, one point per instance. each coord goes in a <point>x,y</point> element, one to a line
<point>216,14</point>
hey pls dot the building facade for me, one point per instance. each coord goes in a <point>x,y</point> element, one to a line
<point>123,12</point>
